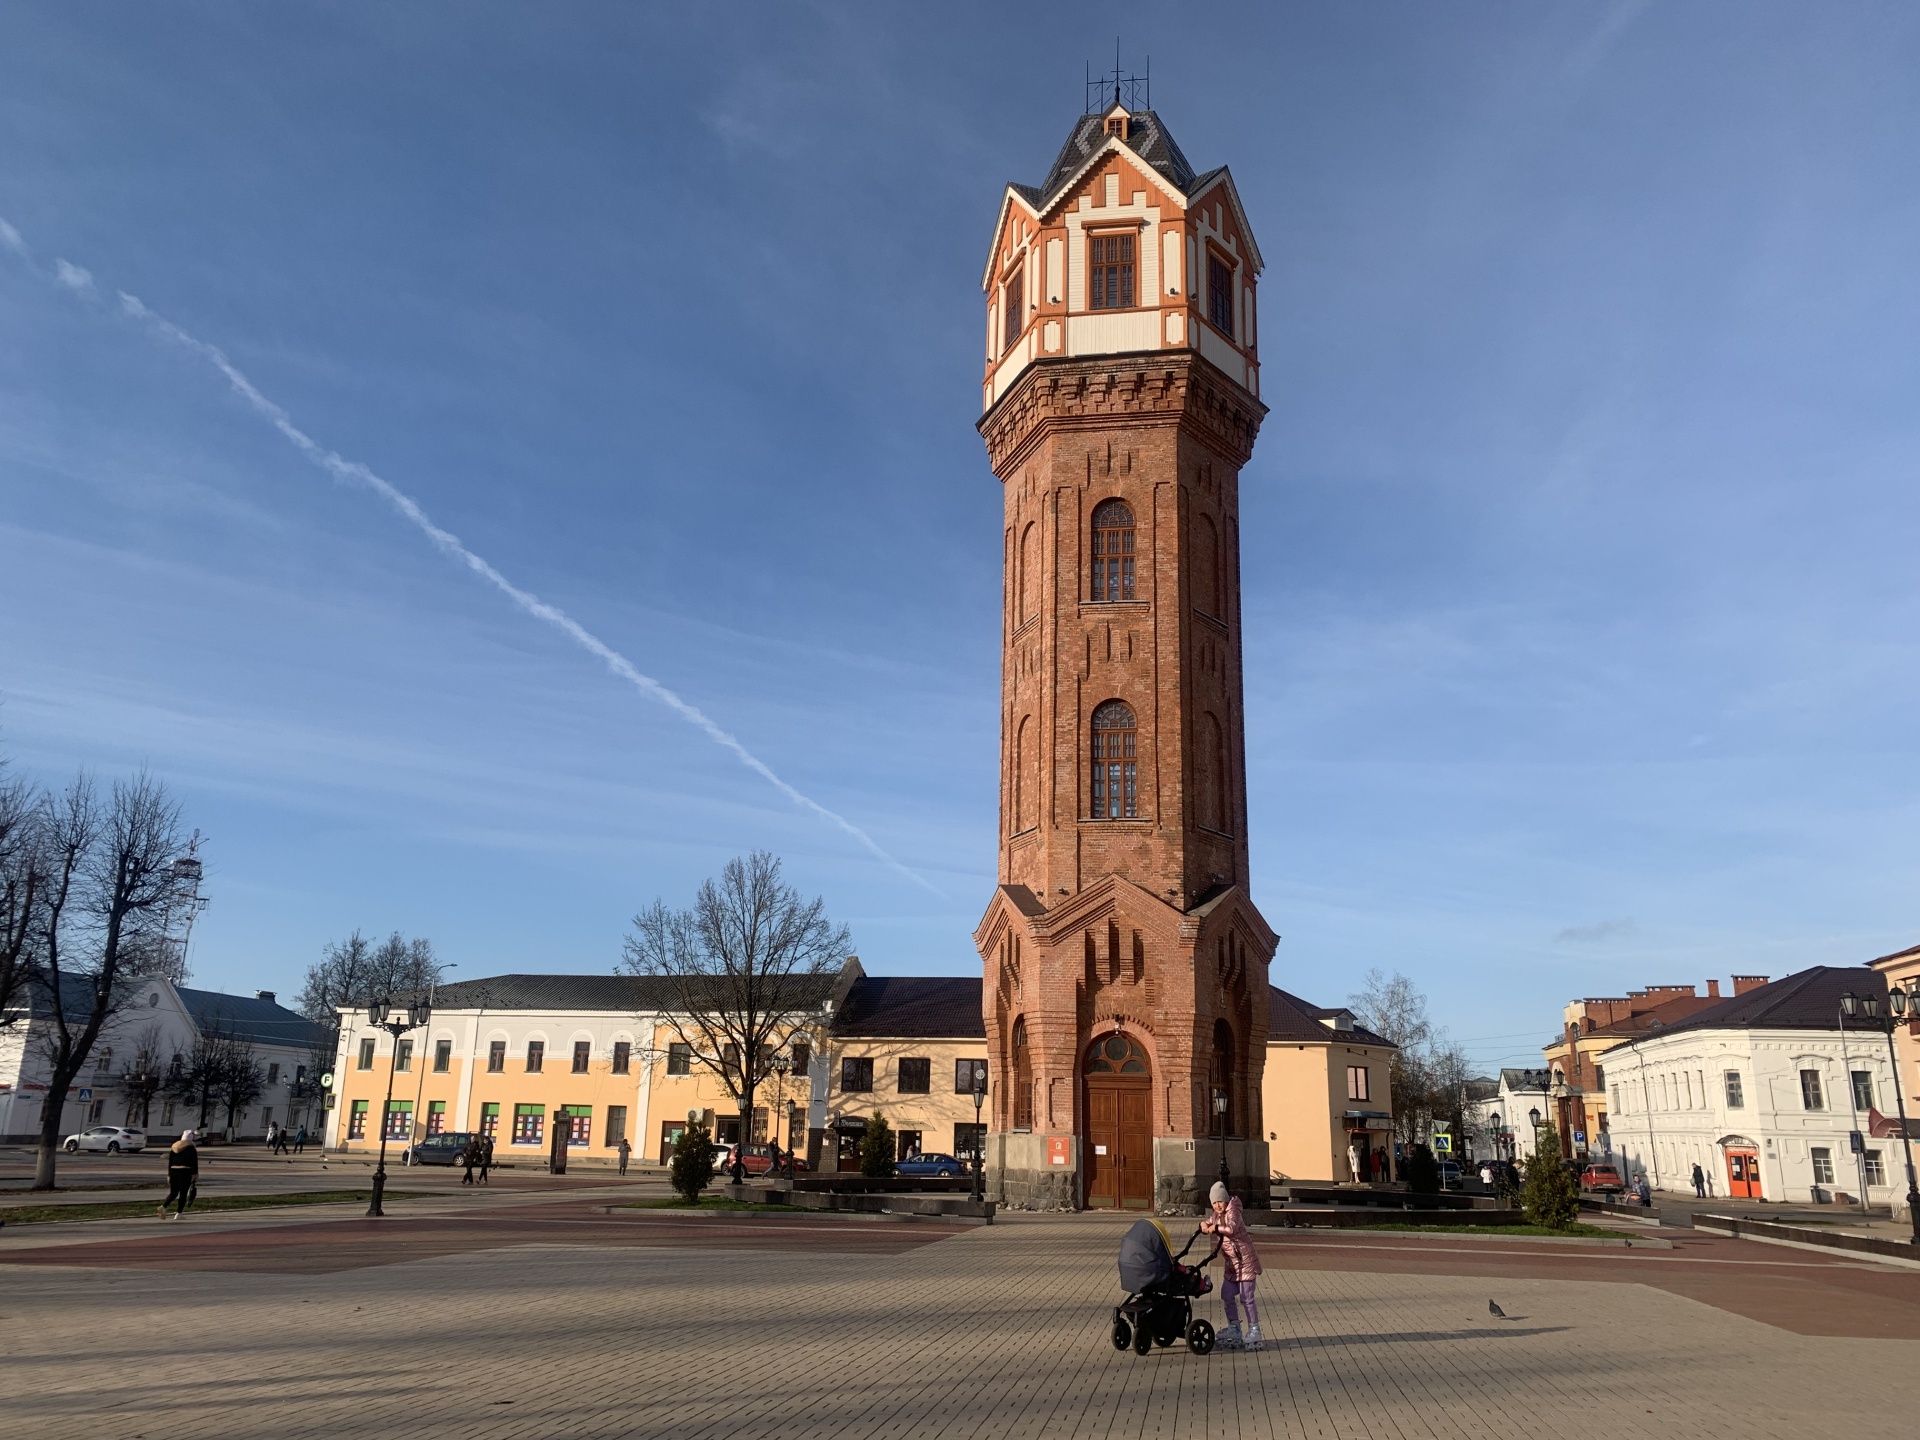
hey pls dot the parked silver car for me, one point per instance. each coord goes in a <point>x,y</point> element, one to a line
<point>110,1138</point>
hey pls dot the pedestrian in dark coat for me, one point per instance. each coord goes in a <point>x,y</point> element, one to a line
<point>486,1157</point>
<point>470,1157</point>
<point>1699,1183</point>
<point>183,1174</point>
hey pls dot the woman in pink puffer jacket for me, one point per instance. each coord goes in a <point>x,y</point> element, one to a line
<point>1242,1262</point>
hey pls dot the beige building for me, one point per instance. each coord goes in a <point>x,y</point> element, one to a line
<point>1326,1094</point>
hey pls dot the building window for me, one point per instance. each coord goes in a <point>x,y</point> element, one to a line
<point>802,1061</point>
<point>1015,319</point>
<point>1810,1098</point>
<point>1110,271</point>
<point>1357,1086</point>
<point>442,1056</point>
<point>579,1124</point>
<point>273,1074</point>
<point>536,1056</point>
<point>1862,1090</point>
<point>403,1055</point>
<point>357,1120</point>
<point>616,1124</point>
<point>1220,295</point>
<point>582,1056</point>
<point>490,1119</point>
<point>1876,1168</point>
<point>1736,1098</point>
<point>679,1058</point>
<point>497,1057</point>
<point>1116,787</point>
<point>399,1119</point>
<point>963,1073</point>
<point>1022,1078</point>
<point>529,1124</point>
<point>908,1142</point>
<point>366,1054</point>
<point>622,1056</point>
<point>968,1140</point>
<point>856,1073</point>
<point>1599,1078</point>
<point>1822,1164</point>
<point>436,1116</point>
<point>916,1075</point>
<point>1112,552</point>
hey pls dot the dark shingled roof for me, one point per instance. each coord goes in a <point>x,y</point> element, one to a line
<point>913,1007</point>
<point>260,1022</point>
<point>608,994</point>
<point>1147,137</point>
<point>1526,1079</point>
<point>1809,1000</point>
<point>1291,1018</point>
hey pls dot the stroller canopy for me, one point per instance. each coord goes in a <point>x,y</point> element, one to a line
<point>1145,1257</point>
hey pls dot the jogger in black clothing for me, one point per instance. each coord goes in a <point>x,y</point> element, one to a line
<point>183,1171</point>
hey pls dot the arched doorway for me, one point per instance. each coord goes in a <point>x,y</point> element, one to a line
<point>1118,1079</point>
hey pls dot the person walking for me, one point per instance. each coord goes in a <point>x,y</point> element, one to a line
<point>626,1152</point>
<point>470,1157</point>
<point>183,1175</point>
<point>1699,1183</point>
<point>300,1140</point>
<point>1229,1222</point>
<point>486,1157</point>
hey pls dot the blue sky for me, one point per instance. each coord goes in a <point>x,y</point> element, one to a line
<point>1579,593</point>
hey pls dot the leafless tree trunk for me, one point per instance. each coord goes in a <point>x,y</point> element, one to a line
<point>23,877</point>
<point>749,963</point>
<point>110,875</point>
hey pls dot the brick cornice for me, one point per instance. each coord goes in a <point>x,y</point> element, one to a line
<point>1148,388</point>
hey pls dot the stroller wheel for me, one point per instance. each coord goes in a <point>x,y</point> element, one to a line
<point>1122,1335</point>
<point>1142,1337</point>
<point>1200,1337</point>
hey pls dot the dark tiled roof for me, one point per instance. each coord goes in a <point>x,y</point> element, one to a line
<point>609,994</point>
<point>1897,955</point>
<point>1291,1018</point>
<point>76,997</point>
<point>1525,1079</point>
<point>1482,1087</point>
<point>913,1007</point>
<point>1809,1000</point>
<point>1147,137</point>
<point>259,1022</point>
<point>1659,1017</point>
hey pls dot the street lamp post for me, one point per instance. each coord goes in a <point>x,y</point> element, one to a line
<point>782,1067</point>
<point>1898,1002</point>
<point>1220,1124</point>
<point>979,1135</point>
<point>381,1015</point>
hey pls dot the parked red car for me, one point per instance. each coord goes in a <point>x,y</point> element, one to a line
<point>1602,1178</point>
<point>757,1158</point>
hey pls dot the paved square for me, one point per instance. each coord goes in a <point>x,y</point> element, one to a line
<point>531,1316</point>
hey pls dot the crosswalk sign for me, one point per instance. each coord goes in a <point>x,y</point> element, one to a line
<point>1442,1143</point>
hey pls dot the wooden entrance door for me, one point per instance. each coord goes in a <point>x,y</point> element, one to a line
<point>1118,1139</point>
<point>1743,1174</point>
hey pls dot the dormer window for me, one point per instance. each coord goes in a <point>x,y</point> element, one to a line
<point>1110,272</point>
<point>1117,126</point>
<point>1016,309</point>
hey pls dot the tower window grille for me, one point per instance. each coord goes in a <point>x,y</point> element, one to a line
<point>1116,784</point>
<point>1016,309</point>
<point>1110,272</point>
<point>1112,551</point>
<point>1220,295</point>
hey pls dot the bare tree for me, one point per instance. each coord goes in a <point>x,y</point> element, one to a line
<point>352,973</point>
<point>748,965</point>
<point>194,1075</point>
<point>142,1077</point>
<point>23,876</point>
<point>1429,1072</point>
<point>239,1078</point>
<point>109,877</point>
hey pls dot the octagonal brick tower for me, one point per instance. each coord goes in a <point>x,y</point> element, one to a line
<point>1125,963</point>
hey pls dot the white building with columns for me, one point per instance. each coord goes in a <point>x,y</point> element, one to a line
<point>1763,1092</point>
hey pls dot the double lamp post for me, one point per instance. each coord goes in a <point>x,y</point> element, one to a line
<point>383,1017</point>
<point>1853,1007</point>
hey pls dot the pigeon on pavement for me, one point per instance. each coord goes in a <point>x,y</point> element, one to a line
<point>1493,1309</point>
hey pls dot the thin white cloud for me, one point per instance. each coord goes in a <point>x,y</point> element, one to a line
<point>353,472</point>
<point>10,237</point>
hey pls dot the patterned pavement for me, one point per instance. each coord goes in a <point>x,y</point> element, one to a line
<point>535,1317</point>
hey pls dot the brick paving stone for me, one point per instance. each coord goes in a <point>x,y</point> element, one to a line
<point>989,1332</point>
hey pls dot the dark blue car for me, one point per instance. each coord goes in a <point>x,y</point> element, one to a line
<point>931,1165</point>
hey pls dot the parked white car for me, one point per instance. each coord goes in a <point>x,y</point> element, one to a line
<point>110,1138</point>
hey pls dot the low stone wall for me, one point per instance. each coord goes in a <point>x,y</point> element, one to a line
<point>1806,1235</point>
<point>1359,1218</point>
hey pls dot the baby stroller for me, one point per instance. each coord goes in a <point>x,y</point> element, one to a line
<point>1158,1309</point>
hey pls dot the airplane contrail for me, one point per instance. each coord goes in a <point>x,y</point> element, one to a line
<point>73,277</point>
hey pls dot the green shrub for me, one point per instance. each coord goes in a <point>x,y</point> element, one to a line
<point>1423,1171</point>
<point>876,1149</point>
<point>691,1169</point>
<point>1548,1194</point>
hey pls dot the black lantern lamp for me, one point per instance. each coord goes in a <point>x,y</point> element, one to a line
<point>979,1135</point>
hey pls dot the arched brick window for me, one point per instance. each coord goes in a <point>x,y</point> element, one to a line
<point>1022,1078</point>
<point>1223,1122</point>
<point>1112,552</point>
<point>1116,783</point>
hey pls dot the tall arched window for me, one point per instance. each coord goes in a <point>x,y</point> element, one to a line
<point>1022,1078</point>
<point>1224,1120</point>
<point>1112,551</point>
<point>1116,784</point>
<point>1023,800</point>
<point>1027,590</point>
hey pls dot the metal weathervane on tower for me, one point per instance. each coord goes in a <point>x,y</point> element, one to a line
<point>1106,90</point>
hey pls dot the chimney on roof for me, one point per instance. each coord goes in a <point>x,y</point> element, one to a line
<point>1743,983</point>
<point>266,995</point>
<point>1713,989</point>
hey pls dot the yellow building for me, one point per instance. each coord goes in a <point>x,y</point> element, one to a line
<point>1902,969</point>
<point>907,1047</point>
<point>1326,1094</point>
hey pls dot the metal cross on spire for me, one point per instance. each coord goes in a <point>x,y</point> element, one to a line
<point>1118,88</point>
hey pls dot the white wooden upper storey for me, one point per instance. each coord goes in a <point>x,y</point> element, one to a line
<point>1123,249</point>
